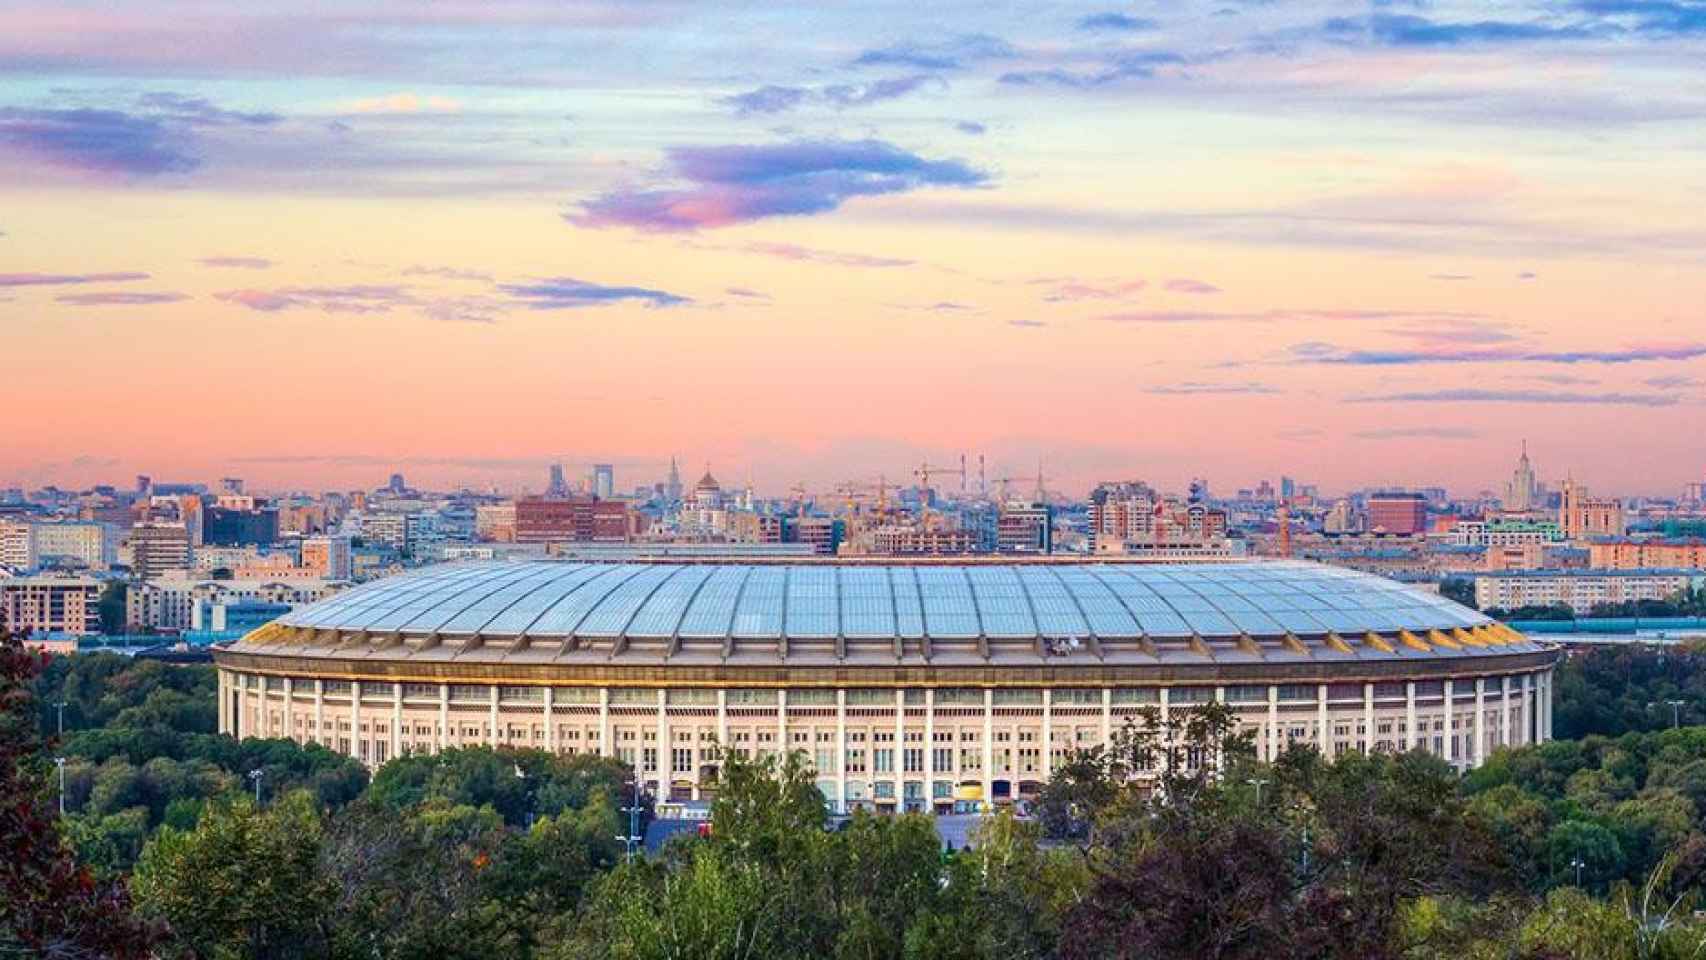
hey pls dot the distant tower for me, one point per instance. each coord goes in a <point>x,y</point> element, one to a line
<point>233,485</point>
<point>557,487</point>
<point>673,488</point>
<point>603,481</point>
<point>397,486</point>
<point>1522,493</point>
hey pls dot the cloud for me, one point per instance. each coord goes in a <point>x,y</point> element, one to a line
<point>1191,388</point>
<point>746,293</point>
<point>1410,30</point>
<point>1652,16</point>
<point>738,184</point>
<point>404,102</point>
<point>1564,380</point>
<point>1673,382</point>
<point>1418,433</point>
<point>1450,276</point>
<point>567,293</point>
<point>971,127</point>
<point>354,298</point>
<point>197,111</point>
<point>118,299</point>
<point>1527,275</point>
<point>448,273</point>
<point>792,251</point>
<point>1027,323</point>
<point>240,263</point>
<point>1183,285</point>
<point>1437,331</point>
<point>1117,22</point>
<point>61,279</point>
<point>1314,353</point>
<point>1521,396</point>
<point>1068,289</point>
<point>98,141</point>
<point>771,99</point>
<point>1127,65</point>
<point>950,54</point>
<point>1194,316</point>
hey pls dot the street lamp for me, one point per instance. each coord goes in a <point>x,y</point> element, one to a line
<point>1675,712</point>
<point>60,706</point>
<point>633,836</point>
<point>60,763</point>
<point>1258,783</point>
<point>1578,863</point>
<point>255,775</point>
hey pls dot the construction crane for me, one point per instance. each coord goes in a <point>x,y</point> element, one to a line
<point>923,474</point>
<point>1039,480</point>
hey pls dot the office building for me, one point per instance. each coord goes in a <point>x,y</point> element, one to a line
<point>1398,513</point>
<point>1584,517</point>
<point>1580,590</point>
<point>50,605</point>
<point>156,547</point>
<point>328,557</point>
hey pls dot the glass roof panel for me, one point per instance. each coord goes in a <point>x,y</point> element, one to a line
<point>524,611</point>
<point>610,616</point>
<point>867,602</point>
<point>1056,609</point>
<point>1001,602</point>
<point>908,606</point>
<point>404,594</point>
<point>712,611</point>
<point>813,603</point>
<point>758,616</point>
<point>663,611</point>
<point>565,616</point>
<point>950,611</point>
<point>1106,615</point>
<point>472,594</point>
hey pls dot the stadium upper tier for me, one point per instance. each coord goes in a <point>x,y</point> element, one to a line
<point>733,614</point>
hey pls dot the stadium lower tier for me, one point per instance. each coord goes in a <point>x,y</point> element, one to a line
<point>920,745</point>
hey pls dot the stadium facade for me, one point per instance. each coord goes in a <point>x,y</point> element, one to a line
<point>910,686</point>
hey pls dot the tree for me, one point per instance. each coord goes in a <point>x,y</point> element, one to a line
<point>112,606</point>
<point>49,905</point>
<point>245,883</point>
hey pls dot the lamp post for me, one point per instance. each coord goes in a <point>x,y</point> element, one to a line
<point>1675,713</point>
<point>255,775</point>
<point>1258,783</point>
<point>60,763</point>
<point>1578,863</point>
<point>633,835</point>
<point>59,705</point>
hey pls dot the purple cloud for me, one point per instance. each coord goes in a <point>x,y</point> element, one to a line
<point>1672,382</point>
<point>772,99</point>
<point>99,141</point>
<point>950,54</point>
<point>971,127</point>
<point>1521,396</point>
<point>1128,65</point>
<point>746,293</point>
<point>1030,324</point>
<point>567,293</point>
<point>1070,289</point>
<point>792,251</point>
<point>1116,22</point>
<point>197,111</point>
<point>354,298</point>
<point>1392,358</point>
<point>239,263</point>
<point>738,184</point>
<point>1418,433</point>
<point>1192,388</point>
<point>1186,285</point>
<point>59,279</point>
<point>113,298</point>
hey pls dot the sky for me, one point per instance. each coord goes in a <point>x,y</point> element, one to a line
<point>1359,244</point>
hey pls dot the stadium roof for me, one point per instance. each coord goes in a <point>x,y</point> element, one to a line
<point>944,614</point>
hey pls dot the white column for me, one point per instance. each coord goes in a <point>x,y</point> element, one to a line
<point>1480,750</point>
<point>605,747</point>
<point>930,748</point>
<point>1450,724</point>
<point>841,749</point>
<point>492,722</point>
<point>355,718</point>
<point>1410,716</point>
<point>782,721</point>
<point>900,748</point>
<point>320,735</point>
<point>1048,733</point>
<point>396,719</point>
<point>1107,717</point>
<point>1527,708</point>
<point>1323,730</point>
<point>1368,718</point>
<point>666,771</point>
<point>443,717</point>
<point>551,720</point>
<point>1166,713</point>
<point>723,718</point>
<point>989,746</point>
<point>1506,736</point>
<point>1546,732</point>
<point>1273,723</point>
<point>219,677</point>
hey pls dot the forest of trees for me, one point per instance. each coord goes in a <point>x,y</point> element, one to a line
<point>1588,847</point>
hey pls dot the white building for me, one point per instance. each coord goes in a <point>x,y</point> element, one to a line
<point>1580,590</point>
<point>169,602</point>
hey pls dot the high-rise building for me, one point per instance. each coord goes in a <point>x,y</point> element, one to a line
<point>232,485</point>
<point>397,486</point>
<point>1522,491</point>
<point>1399,513</point>
<point>603,481</point>
<point>1583,517</point>
<point>495,522</point>
<point>572,520</point>
<point>1120,512</point>
<point>156,547</point>
<point>327,556</point>
<point>1024,527</point>
<point>672,487</point>
<point>557,487</point>
<point>225,526</point>
<point>86,545</point>
<point>50,604</point>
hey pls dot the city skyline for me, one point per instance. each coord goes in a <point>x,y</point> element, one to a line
<point>1367,245</point>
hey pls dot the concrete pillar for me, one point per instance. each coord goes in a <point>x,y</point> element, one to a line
<point>930,748</point>
<point>320,735</point>
<point>1527,709</point>
<point>396,719</point>
<point>989,745</point>
<point>1048,734</point>
<point>1323,730</point>
<point>443,717</point>
<point>1546,712</point>
<point>666,768</point>
<point>1273,751</point>
<point>1450,724</point>
<point>1505,724</point>
<point>605,747</point>
<point>1368,718</point>
<point>1480,752</point>
<point>551,720</point>
<point>494,739</point>
<point>355,718</point>
<point>1410,733</point>
<point>841,749</point>
<point>782,721</point>
<point>1107,717</point>
<point>219,680</point>
<point>900,749</point>
<point>722,718</point>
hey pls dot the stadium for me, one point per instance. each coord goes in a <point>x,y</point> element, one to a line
<point>910,685</point>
